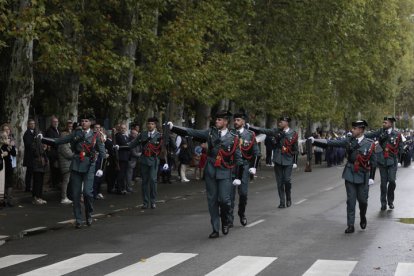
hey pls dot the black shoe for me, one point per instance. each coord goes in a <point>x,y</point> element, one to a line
<point>214,235</point>
<point>383,207</point>
<point>144,206</point>
<point>288,203</point>
<point>391,206</point>
<point>281,206</point>
<point>89,221</point>
<point>350,229</point>
<point>225,229</point>
<point>78,225</point>
<point>243,220</point>
<point>153,206</point>
<point>363,222</point>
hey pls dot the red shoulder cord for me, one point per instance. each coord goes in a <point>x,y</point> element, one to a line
<point>393,149</point>
<point>222,153</point>
<point>245,150</point>
<point>363,160</point>
<point>87,148</point>
<point>287,145</point>
<point>152,149</point>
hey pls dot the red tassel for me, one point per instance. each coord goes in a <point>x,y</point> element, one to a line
<point>218,161</point>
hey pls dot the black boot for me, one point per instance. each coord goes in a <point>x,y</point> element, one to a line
<point>350,229</point>
<point>363,211</point>
<point>242,210</point>
<point>224,212</point>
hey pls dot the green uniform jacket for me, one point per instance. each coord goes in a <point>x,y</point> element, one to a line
<point>147,143</point>
<point>385,139</point>
<point>77,139</point>
<point>246,138</point>
<point>279,138</point>
<point>353,150</point>
<point>215,143</point>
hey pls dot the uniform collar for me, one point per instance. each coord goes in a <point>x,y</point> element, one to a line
<point>151,133</point>
<point>87,131</point>
<point>223,132</point>
<point>360,139</point>
<point>241,130</point>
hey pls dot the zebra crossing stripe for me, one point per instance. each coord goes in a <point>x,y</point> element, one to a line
<point>17,259</point>
<point>331,267</point>
<point>154,265</point>
<point>70,265</point>
<point>405,269</point>
<point>243,266</point>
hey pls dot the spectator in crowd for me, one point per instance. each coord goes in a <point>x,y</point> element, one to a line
<point>134,157</point>
<point>7,150</point>
<point>97,181</point>
<point>69,126</point>
<point>269,144</point>
<point>318,151</point>
<point>28,138</point>
<point>165,173</point>
<point>65,155</point>
<point>122,139</point>
<point>202,162</point>
<point>111,163</point>
<point>53,132</point>
<point>184,158</point>
<point>40,163</point>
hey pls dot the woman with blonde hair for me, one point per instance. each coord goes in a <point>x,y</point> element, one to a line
<point>7,151</point>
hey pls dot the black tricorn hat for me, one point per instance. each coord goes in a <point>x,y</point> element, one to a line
<point>87,116</point>
<point>240,115</point>
<point>223,114</point>
<point>360,123</point>
<point>152,120</point>
<point>390,118</point>
<point>285,118</point>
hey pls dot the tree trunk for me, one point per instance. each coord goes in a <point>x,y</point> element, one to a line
<point>203,115</point>
<point>70,97</point>
<point>176,112</point>
<point>19,92</point>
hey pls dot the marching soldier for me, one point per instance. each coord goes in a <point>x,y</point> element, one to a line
<point>151,142</point>
<point>361,156</point>
<point>285,154</point>
<point>250,156</point>
<point>86,144</point>
<point>391,146</point>
<point>223,156</point>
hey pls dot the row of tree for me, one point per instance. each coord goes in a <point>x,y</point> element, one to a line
<point>127,59</point>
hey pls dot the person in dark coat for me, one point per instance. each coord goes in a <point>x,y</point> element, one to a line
<point>53,132</point>
<point>122,139</point>
<point>28,138</point>
<point>185,158</point>
<point>40,163</point>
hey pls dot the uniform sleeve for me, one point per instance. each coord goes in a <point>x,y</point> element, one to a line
<point>338,143</point>
<point>200,134</point>
<point>63,140</point>
<point>373,134</point>
<point>268,131</point>
<point>134,143</point>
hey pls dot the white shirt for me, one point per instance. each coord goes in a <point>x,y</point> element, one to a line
<point>241,130</point>
<point>151,133</point>
<point>389,130</point>
<point>360,139</point>
<point>223,132</point>
<point>286,130</point>
<point>87,131</point>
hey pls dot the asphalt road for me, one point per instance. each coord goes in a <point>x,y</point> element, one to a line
<point>307,238</point>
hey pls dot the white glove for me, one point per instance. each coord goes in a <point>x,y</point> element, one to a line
<point>170,124</point>
<point>295,166</point>
<point>371,182</point>
<point>99,173</point>
<point>236,182</point>
<point>312,139</point>
<point>116,147</point>
<point>247,125</point>
<point>165,167</point>
<point>252,171</point>
<point>40,136</point>
<point>399,165</point>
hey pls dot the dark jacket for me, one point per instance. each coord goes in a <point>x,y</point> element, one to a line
<point>185,156</point>
<point>123,140</point>
<point>40,160</point>
<point>53,152</point>
<point>28,138</point>
<point>7,164</point>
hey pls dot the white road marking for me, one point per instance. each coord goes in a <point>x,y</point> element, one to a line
<point>3,237</point>
<point>154,265</point>
<point>70,265</point>
<point>17,259</point>
<point>98,215</point>
<point>255,223</point>
<point>67,221</point>
<point>331,267</point>
<point>405,269</point>
<point>300,201</point>
<point>243,266</point>
<point>41,228</point>
<point>328,189</point>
